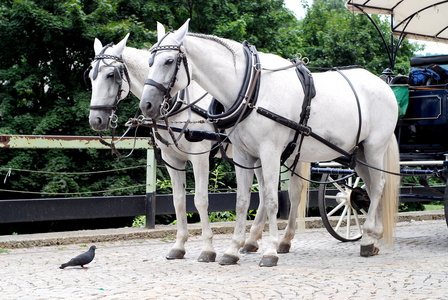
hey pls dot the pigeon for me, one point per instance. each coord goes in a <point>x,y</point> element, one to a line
<point>82,259</point>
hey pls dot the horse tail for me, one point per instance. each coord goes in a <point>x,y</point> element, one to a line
<point>390,197</point>
<point>303,205</point>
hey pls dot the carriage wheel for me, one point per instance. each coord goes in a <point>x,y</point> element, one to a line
<point>343,207</point>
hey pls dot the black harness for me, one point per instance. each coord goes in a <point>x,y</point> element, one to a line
<point>309,90</point>
<point>348,159</point>
<point>247,97</point>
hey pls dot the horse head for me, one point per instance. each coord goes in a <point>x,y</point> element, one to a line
<point>168,72</point>
<point>110,84</point>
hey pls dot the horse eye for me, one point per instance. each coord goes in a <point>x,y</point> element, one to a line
<point>169,61</point>
<point>110,75</point>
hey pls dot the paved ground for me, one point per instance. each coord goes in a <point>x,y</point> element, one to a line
<point>318,267</point>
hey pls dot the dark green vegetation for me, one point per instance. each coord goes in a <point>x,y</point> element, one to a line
<point>47,45</point>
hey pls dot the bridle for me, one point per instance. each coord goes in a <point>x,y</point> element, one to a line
<point>181,58</point>
<point>118,76</point>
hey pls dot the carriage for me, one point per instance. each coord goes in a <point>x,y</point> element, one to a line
<point>423,155</point>
<point>420,129</point>
<point>378,153</point>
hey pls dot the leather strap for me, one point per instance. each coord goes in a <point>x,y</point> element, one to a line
<point>159,86</point>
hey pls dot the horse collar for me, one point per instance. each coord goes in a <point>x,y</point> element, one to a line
<point>247,97</point>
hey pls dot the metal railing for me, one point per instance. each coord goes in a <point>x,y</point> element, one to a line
<point>150,205</point>
<point>73,208</point>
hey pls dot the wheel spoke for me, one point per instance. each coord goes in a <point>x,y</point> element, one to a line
<point>340,188</point>
<point>341,219</point>
<point>357,181</point>
<point>336,208</point>
<point>336,197</point>
<point>349,220</point>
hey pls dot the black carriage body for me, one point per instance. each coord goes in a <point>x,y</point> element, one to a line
<point>423,130</point>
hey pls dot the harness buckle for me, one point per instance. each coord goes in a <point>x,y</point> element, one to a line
<point>306,130</point>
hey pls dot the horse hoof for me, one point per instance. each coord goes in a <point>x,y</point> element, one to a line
<point>175,254</point>
<point>228,260</point>
<point>248,248</point>
<point>268,261</point>
<point>284,247</point>
<point>369,250</point>
<point>207,256</point>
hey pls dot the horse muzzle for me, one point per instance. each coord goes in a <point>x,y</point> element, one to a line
<point>150,103</point>
<point>98,122</point>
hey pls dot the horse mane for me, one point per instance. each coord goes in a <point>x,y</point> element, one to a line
<point>218,40</point>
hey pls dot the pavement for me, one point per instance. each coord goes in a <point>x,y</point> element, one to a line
<point>130,263</point>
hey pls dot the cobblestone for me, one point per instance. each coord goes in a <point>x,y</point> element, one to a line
<point>318,267</point>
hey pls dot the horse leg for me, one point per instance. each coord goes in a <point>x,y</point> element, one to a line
<point>369,245</point>
<point>244,185</point>
<point>375,182</point>
<point>294,191</point>
<point>271,172</point>
<point>256,231</point>
<point>297,193</point>
<point>178,181</point>
<point>383,192</point>
<point>200,169</point>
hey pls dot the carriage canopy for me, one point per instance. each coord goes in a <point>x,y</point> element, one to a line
<point>420,20</point>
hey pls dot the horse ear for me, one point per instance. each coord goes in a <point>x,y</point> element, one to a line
<point>180,34</point>
<point>97,46</point>
<point>160,31</point>
<point>120,46</point>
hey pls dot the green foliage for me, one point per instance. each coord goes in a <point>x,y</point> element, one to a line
<point>42,91</point>
<point>49,44</point>
<point>228,216</point>
<point>332,36</point>
<point>222,216</point>
<point>139,221</point>
<point>411,206</point>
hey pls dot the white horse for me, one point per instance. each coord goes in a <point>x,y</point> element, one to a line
<point>218,65</point>
<point>105,89</point>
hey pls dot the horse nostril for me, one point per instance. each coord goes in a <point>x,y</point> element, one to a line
<point>148,105</point>
<point>99,121</point>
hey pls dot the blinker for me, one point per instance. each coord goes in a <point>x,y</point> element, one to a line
<point>117,76</point>
<point>151,60</point>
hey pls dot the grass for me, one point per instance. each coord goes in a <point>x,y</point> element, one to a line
<point>433,206</point>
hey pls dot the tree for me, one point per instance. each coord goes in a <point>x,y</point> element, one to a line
<point>49,44</point>
<point>332,36</point>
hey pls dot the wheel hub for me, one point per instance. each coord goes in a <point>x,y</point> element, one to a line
<point>359,199</point>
